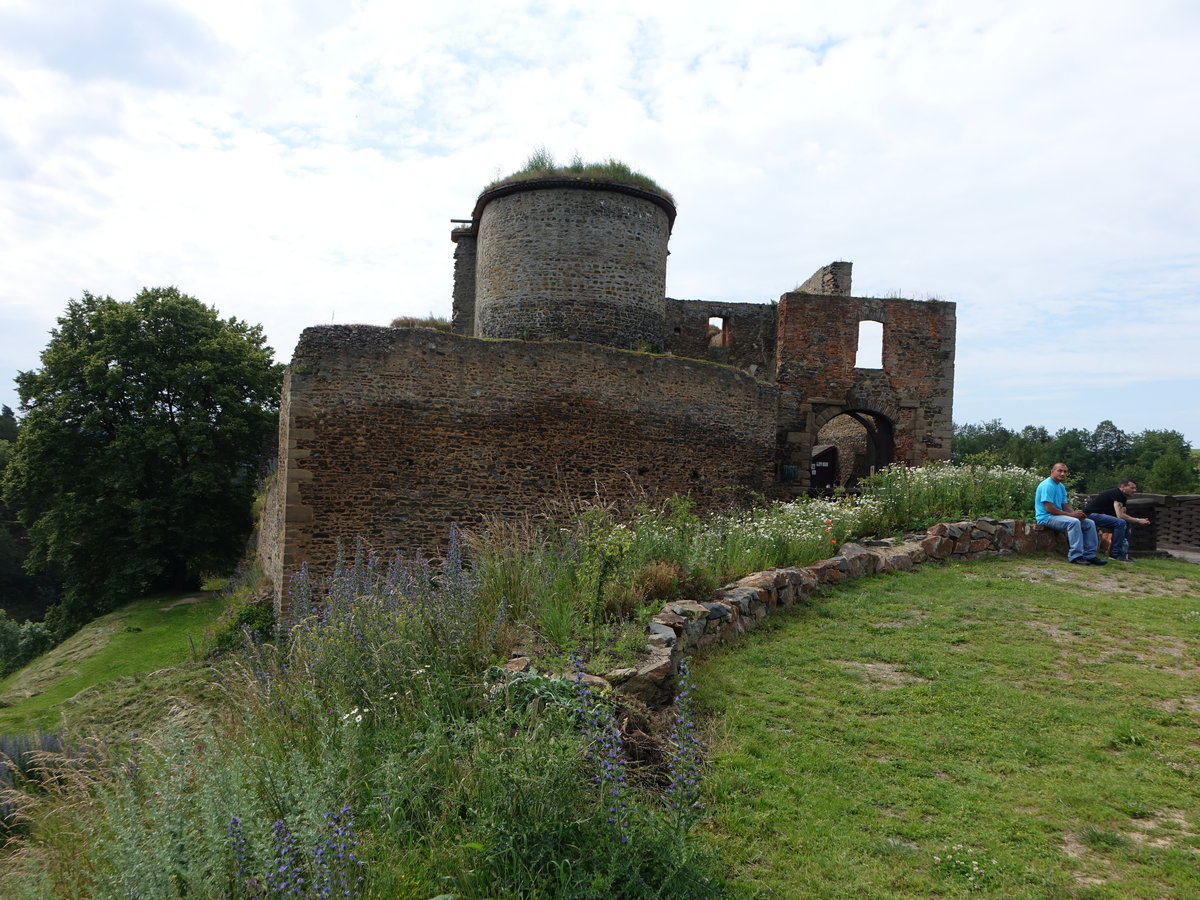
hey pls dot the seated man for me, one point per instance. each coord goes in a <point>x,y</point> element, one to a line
<point>1107,510</point>
<point>1050,507</point>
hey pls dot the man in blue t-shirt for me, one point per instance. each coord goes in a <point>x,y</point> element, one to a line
<point>1050,507</point>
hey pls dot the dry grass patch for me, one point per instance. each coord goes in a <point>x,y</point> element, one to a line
<point>882,676</point>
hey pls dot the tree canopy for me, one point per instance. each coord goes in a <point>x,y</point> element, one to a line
<point>1159,461</point>
<point>136,461</point>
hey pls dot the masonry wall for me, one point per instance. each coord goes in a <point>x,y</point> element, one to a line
<point>748,341</point>
<point>393,434</point>
<point>463,303</point>
<point>559,261</point>
<point>816,346</point>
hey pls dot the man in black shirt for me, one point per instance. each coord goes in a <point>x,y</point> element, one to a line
<point>1107,510</point>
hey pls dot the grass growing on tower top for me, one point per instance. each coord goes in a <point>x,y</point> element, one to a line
<point>541,164</point>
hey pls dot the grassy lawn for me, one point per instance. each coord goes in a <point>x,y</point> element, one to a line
<point>1011,728</point>
<point>134,653</point>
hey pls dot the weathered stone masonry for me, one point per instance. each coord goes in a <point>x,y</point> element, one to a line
<point>815,354</point>
<point>560,261</point>
<point>391,435</point>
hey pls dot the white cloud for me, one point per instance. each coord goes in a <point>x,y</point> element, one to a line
<point>296,163</point>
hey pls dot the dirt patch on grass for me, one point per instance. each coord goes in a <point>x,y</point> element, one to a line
<point>1074,847</point>
<point>912,617</point>
<point>1163,830</point>
<point>1116,578</point>
<point>1188,703</point>
<point>881,676</point>
<point>1058,635</point>
<point>185,601</point>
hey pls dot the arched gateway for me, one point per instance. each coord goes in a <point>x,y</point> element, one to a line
<point>834,414</point>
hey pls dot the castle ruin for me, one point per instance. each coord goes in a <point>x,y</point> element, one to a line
<point>570,373</point>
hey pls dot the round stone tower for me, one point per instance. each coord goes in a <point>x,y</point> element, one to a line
<point>560,259</point>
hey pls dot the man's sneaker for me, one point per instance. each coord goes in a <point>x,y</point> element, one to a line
<point>1122,558</point>
<point>1092,561</point>
<point>1080,561</point>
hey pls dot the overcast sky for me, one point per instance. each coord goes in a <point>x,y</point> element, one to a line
<point>298,163</point>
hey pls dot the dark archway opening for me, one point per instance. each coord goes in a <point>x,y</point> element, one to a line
<point>855,444</point>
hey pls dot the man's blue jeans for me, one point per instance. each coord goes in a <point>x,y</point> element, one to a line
<point>1081,535</point>
<point>1120,529</point>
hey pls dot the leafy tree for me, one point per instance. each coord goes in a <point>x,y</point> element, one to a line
<point>8,424</point>
<point>1159,461</point>
<point>1070,445</point>
<point>1028,448</point>
<point>1170,454</point>
<point>136,460</point>
<point>22,596</point>
<point>983,443</point>
<point>1172,475</point>
<point>1108,447</point>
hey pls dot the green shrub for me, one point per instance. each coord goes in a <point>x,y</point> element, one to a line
<point>21,644</point>
<point>253,621</point>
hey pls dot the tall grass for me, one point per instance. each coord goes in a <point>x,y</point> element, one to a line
<point>370,747</point>
<point>903,498</point>
<point>570,583</point>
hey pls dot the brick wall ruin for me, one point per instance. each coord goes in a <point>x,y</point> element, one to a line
<point>390,435</point>
<point>908,401</point>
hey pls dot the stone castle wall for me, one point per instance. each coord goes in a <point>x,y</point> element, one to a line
<point>561,263</point>
<point>391,435</point>
<point>816,347</point>
<point>464,281</point>
<point>747,341</point>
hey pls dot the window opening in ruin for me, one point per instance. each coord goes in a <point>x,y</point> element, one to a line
<point>870,345</point>
<point>718,331</point>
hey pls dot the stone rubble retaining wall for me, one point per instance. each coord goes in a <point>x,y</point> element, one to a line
<point>684,626</point>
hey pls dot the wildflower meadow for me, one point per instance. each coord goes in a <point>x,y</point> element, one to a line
<point>369,747</point>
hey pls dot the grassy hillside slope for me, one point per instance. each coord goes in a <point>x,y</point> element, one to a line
<point>122,672</point>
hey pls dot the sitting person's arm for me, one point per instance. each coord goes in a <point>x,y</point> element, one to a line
<point>1052,510</point>
<point>1119,509</point>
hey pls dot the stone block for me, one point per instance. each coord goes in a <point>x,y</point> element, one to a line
<point>859,560</point>
<point>743,600</point>
<point>688,610</point>
<point>936,547</point>
<point>654,681</point>
<point>618,677</point>
<point>660,635</point>
<point>830,571</point>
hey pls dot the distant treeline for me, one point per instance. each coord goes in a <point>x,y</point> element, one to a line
<point>1161,462</point>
